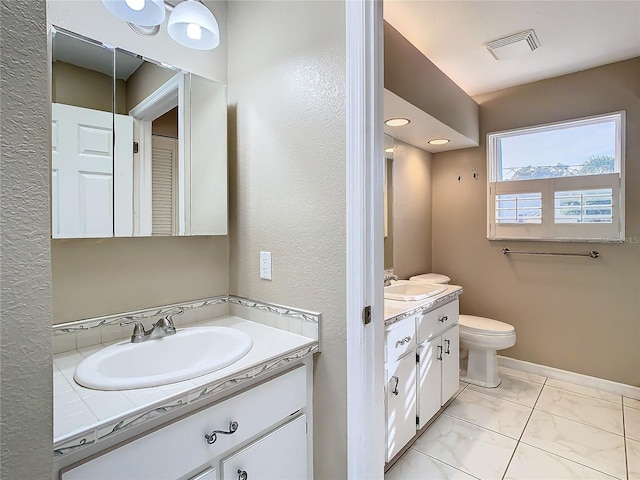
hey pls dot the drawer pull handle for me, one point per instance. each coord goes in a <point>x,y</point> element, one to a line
<point>213,436</point>
<point>443,319</point>
<point>399,343</point>
<point>448,350</point>
<point>242,475</point>
<point>440,352</point>
<point>395,389</point>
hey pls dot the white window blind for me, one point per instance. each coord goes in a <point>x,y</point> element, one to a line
<point>562,181</point>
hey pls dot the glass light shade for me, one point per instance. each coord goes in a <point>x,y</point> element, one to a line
<point>183,23</point>
<point>150,15</point>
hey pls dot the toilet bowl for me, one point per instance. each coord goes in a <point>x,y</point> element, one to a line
<point>482,337</point>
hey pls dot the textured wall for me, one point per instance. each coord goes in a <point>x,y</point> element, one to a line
<point>25,293</point>
<point>576,314</point>
<point>92,277</point>
<point>411,210</point>
<point>287,182</point>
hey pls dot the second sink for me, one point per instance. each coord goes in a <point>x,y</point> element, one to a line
<point>407,291</point>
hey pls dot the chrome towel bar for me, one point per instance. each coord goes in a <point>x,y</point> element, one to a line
<point>592,253</point>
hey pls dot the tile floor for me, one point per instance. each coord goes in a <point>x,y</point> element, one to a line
<point>530,427</point>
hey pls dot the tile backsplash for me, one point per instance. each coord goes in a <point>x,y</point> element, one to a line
<point>107,329</point>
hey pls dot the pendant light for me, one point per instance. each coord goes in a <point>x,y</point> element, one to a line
<point>193,25</point>
<point>146,13</point>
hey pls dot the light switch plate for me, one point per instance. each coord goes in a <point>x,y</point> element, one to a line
<point>265,265</point>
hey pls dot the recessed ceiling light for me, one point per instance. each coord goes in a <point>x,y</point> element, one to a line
<point>397,122</point>
<point>389,150</point>
<point>439,141</point>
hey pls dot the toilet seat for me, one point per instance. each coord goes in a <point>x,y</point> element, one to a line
<point>431,278</point>
<point>485,326</point>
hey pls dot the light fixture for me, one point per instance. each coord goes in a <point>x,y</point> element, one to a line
<point>397,122</point>
<point>193,25</point>
<point>439,141</point>
<point>388,150</point>
<point>146,13</point>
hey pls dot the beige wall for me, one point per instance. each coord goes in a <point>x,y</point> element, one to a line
<point>99,277</point>
<point>411,210</point>
<point>73,85</point>
<point>577,314</point>
<point>167,124</point>
<point>146,80</point>
<point>439,96</point>
<point>287,178</point>
<point>26,382</point>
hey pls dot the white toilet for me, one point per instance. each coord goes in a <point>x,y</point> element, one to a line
<point>480,339</point>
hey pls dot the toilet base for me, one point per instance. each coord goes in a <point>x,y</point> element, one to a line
<point>482,369</point>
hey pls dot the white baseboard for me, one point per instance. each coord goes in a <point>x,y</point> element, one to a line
<point>577,378</point>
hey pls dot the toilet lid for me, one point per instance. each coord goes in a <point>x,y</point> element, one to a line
<point>431,278</point>
<point>484,325</point>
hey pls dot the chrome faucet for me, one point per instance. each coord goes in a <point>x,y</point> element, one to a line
<point>162,328</point>
<point>388,276</point>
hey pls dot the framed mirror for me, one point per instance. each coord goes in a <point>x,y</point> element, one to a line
<point>139,148</point>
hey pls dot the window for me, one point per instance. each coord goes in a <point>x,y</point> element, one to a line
<point>562,181</point>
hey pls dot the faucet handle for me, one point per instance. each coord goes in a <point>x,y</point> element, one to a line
<point>167,320</point>
<point>138,329</point>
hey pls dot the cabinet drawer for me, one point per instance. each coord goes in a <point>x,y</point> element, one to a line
<point>436,321</point>
<point>400,338</point>
<point>281,455</point>
<point>181,447</point>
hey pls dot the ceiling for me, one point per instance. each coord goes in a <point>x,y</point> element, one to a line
<point>573,35</point>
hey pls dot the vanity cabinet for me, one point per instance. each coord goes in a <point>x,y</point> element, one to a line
<point>251,431</point>
<point>422,371</point>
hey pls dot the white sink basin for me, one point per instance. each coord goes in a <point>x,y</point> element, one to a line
<point>408,291</point>
<point>189,353</point>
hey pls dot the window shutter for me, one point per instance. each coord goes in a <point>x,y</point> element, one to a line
<point>163,180</point>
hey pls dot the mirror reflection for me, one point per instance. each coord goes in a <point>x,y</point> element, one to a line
<point>388,202</point>
<point>138,148</point>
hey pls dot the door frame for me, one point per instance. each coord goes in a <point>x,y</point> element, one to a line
<point>365,237</point>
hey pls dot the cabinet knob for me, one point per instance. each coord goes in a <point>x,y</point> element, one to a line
<point>242,475</point>
<point>443,319</point>
<point>213,436</point>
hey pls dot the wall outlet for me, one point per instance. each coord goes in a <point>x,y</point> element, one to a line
<point>265,265</point>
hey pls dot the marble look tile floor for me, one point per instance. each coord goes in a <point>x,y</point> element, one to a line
<point>530,427</point>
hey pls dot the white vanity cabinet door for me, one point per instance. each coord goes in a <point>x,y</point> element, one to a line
<point>450,363</point>
<point>400,404</point>
<point>429,380</point>
<point>279,455</point>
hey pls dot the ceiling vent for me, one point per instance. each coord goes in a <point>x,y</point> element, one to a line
<point>513,45</point>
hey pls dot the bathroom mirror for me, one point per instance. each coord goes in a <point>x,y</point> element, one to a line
<point>388,202</point>
<point>139,148</point>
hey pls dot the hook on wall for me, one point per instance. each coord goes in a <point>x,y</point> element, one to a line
<point>475,175</point>
<point>458,175</point>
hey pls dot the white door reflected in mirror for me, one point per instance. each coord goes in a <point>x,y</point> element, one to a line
<point>108,182</point>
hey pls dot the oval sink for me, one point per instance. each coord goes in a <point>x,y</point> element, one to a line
<point>189,353</point>
<point>412,291</point>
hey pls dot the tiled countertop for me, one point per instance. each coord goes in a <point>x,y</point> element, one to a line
<point>83,416</point>
<point>396,310</point>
